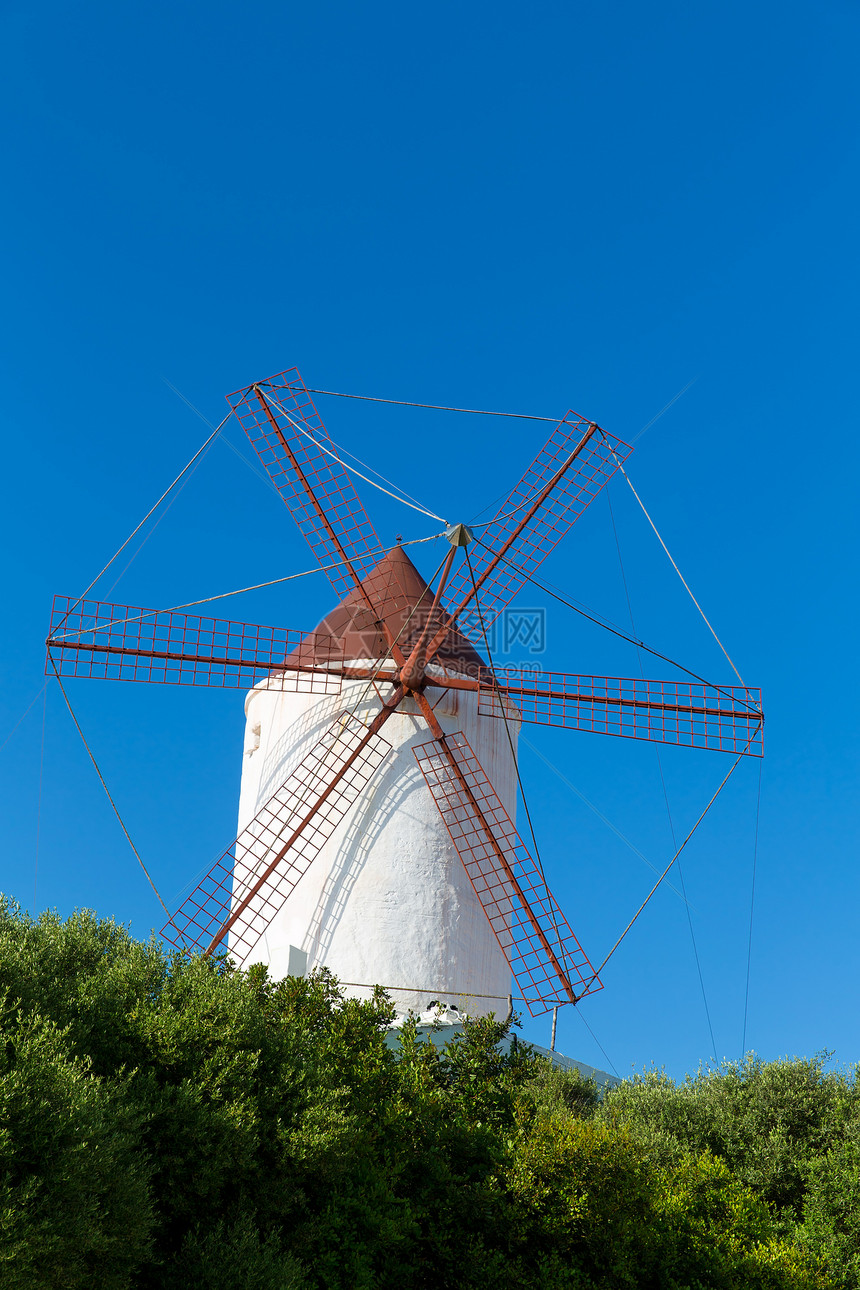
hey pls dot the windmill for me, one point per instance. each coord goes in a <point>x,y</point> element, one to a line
<point>378,797</point>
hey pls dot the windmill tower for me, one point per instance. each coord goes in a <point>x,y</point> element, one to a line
<point>387,900</point>
<point>376,830</point>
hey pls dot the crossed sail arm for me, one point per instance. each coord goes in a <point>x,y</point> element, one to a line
<point>546,959</point>
<point>249,884</point>
<point>565,477</point>
<point>251,881</point>
<point>315,486</point>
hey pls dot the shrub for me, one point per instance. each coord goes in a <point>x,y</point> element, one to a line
<point>168,1120</point>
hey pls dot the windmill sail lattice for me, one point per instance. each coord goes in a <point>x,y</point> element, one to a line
<point>573,466</point>
<point>126,643</point>
<point>316,487</point>
<point>722,718</point>
<point>248,885</point>
<point>546,959</point>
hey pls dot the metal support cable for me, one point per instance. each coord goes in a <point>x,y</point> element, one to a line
<point>224,595</point>
<point>725,780</point>
<point>693,939</point>
<point>665,790</point>
<point>674,565</point>
<point>107,792</point>
<point>604,819</point>
<point>616,631</point>
<point>345,452</point>
<point>663,410</point>
<point>499,518</point>
<point>153,508</point>
<point>434,407</point>
<point>482,412</point>
<point>581,1016</point>
<point>150,531</point>
<point>397,496</point>
<point>34,700</point>
<point>752,905</point>
<point>261,474</point>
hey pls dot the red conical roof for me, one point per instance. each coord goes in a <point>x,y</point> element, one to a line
<point>402,600</point>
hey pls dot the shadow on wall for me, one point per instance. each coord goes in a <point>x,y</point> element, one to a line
<point>388,794</point>
<point>391,793</point>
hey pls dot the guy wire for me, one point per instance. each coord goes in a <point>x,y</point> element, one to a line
<point>663,782</point>
<point>434,407</point>
<point>184,470</point>
<point>752,903</point>
<point>241,591</point>
<point>726,779</point>
<point>616,631</point>
<point>107,791</point>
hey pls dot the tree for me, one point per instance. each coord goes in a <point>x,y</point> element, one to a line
<point>168,1120</point>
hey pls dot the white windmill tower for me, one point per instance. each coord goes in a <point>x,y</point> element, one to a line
<point>387,899</point>
<point>379,786</point>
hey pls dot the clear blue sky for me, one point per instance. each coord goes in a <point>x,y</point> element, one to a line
<point>515,207</point>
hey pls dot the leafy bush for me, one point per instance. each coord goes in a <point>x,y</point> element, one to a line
<point>767,1121</point>
<point>168,1120</point>
<point>75,1207</point>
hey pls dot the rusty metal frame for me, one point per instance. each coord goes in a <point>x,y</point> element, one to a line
<point>127,643</point>
<point>573,466</point>
<point>541,949</point>
<point>722,719</point>
<point>242,892</point>
<point>321,498</point>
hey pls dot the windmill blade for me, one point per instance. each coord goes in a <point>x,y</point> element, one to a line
<point>126,643</point>
<point>545,957</point>
<point>567,474</point>
<point>248,885</point>
<point>286,431</point>
<point>725,718</point>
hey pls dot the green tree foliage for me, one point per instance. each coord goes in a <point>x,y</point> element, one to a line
<point>169,1121</point>
<point>766,1121</point>
<point>831,1213</point>
<point>75,1204</point>
<point>788,1130</point>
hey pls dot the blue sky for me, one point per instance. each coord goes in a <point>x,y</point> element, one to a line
<point>493,206</point>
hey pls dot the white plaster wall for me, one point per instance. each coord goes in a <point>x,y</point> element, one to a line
<point>387,901</point>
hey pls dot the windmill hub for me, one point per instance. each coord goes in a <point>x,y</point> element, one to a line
<point>413,674</point>
<point>459,534</point>
<point>413,678</point>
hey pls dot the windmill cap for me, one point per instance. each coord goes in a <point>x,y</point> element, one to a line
<point>402,600</point>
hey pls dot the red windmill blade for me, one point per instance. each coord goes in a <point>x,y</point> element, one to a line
<point>126,643</point>
<point>697,715</point>
<point>545,956</point>
<point>287,433</point>
<point>249,883</point>
<point>574,464</point>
